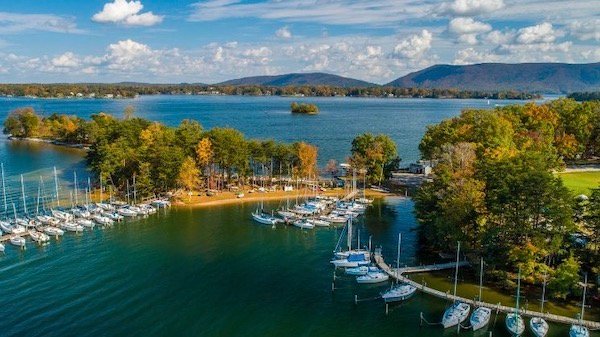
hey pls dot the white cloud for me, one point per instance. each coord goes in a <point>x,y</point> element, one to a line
<point>585,29</point>
<point>127,13</point>
<point>16,22</point>
<point>66,60</point>
<point>472,7</point>
<point>414,46</point>
<point>591,55</point>
<point>284,33</point>
<point>542,33</point>
<point>470,56</point>
<point>461,26</point>
<point>467,29</point>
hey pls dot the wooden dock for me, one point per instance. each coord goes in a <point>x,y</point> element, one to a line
<point>6,237</point>
<point>444,295</point>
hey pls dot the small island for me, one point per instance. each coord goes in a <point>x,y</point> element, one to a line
<point>304,108</point>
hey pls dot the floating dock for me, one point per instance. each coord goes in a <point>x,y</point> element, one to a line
<point>398,274</point>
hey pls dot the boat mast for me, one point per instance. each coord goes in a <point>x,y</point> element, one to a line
<point>127,191</point>
<point>37,205</point>
<point>583,300</point>
<point>480,279</point>
<point>349,234</point>
<point>89,192</point>
<point>518,292</point>
<point>134,192</point>
<point>3,189</point>
<point>56,187</point>
<point>398,257</point>
<point>23,193</point>
<point>456,269</point>
<point>543,294</point>
<point>100,187</point>
<point>75,187</point>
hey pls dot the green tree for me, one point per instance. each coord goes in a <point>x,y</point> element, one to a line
<point>375,153</point>
<point>565,278</point>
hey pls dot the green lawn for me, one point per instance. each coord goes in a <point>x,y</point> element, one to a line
<point>581,182</point>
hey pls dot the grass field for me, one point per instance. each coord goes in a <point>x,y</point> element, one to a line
<point>581,182</point>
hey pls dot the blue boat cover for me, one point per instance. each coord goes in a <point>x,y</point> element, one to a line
<point>356,257</point>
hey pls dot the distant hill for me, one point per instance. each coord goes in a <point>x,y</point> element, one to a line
<point>530,77</point>
<point>310,79</point>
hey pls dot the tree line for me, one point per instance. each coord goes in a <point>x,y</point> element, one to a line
<point>130,90</point>
<point>494,190</point>
<point>163,158</point>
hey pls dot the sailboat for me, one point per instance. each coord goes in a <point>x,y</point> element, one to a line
<point>538,325</point>
<point>261,217</point>
<point>458,312</point>
<point>17,241</point>
<point>373,277</point>
<point>579,330</point>
<point>514,321</point>
<point>399,291</point>
<point>480,316</point>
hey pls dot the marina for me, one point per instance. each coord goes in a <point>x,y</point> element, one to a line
<point>378,258</point>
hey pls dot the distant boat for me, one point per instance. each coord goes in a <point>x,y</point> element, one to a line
<point>353,260</point>
<point>85,223</point>
<point>458,312</point>
<point>400,291</point>
<point>480,316</point>
<point>38,237</point>
<point>303,223</point>
<point>53,231</point>
<point>126,212</point>
<point>263,218</point>
<point>579,330</point>
<point>373,277</point>
<point>72,227</point>
<point>17,241</point>
<point>318,222</point>
<point>359,271</point>
<point>538,325</point>
<point>514,322</point>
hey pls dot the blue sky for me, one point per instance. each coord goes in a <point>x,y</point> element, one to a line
<point>213,40</point>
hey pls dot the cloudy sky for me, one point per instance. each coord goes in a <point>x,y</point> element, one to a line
<point>212,40</point>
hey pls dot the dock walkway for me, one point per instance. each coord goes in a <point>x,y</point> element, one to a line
<point>444,295</point>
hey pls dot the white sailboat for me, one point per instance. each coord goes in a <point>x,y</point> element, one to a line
<point>373,277</point>
<point>514,322</point>
<point>480,316</point>
<point>399,291</point>
<point>303,223</point>
<point>359,271</point>
<point>54,231</point>
<point>72,227</point>
<point>579,330</point>
<point>17,241</point>
<point>38,237</point>
<point>458,312</point>
<point>538,325</point>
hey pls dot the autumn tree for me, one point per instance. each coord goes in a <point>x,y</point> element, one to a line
<point>377,154</point>
<point>189,175</point>
<point>307,160</point>
<point>204,156</point>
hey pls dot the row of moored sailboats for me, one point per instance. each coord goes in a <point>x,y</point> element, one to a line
<point>46,222</point>
<point>459,311</point>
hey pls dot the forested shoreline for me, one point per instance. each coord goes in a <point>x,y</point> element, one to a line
<point>163,159</point>
<point>494,190</point>
<point>95,90</point>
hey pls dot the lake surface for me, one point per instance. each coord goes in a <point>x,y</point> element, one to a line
<point>212,271</point>
<point>339,121</point>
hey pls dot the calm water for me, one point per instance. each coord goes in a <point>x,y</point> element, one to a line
<point>213,272</point>
<point>340,120</point>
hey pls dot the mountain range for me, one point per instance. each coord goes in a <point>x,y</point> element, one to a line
<point>529,77</point>
<point>299,79</point>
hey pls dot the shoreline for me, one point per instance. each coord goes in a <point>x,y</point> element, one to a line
<point>228,198</point>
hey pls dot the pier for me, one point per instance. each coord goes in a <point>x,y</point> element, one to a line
<point>398,274</point>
